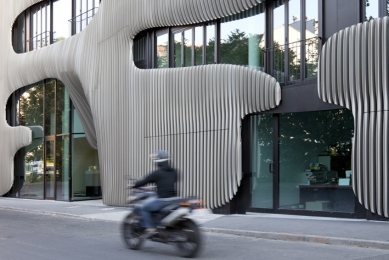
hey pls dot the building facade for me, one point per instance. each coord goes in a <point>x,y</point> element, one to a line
<point>247,95</point>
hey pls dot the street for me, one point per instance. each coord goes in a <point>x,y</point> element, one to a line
<point>27,235</point>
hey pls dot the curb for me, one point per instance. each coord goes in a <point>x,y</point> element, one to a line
<point>302,238</point>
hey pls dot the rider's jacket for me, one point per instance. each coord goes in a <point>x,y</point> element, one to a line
<point>165,178</point>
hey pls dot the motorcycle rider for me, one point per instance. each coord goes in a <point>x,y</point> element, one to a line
<point>165,178</point>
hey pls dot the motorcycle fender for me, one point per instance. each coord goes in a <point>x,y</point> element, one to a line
<point>171,219</point>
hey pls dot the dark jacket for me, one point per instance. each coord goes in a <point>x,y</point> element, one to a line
<point>165,178</point>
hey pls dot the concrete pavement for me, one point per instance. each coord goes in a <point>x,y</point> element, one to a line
<point>336,231</point>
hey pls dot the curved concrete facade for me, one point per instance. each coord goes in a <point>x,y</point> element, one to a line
<point>127,113</point>
<point>353,72</point>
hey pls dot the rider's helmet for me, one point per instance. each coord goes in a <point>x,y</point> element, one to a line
<point>160,156</point>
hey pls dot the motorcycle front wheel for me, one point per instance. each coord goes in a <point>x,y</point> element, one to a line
<point>131,231</point>
<point>190,244</point>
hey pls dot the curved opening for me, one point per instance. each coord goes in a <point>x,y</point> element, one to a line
<point>288,53</point>
<point>59,164</point>
<point>50,21</point>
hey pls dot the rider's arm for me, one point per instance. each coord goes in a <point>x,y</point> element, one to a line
<point>148,179</point>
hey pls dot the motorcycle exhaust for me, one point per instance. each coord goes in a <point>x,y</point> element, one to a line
<point>171,219</point>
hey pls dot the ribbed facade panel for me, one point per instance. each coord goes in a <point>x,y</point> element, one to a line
<point>128,113</point>
<point>353,73</point>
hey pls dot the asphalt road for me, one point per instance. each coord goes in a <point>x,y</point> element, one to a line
<point>26,235</point>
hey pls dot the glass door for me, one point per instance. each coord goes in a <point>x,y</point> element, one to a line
<point>50,168</point>
<point>263,167</point>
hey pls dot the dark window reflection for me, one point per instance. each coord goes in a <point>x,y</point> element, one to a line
<point>62,167</point>
<point>315,151</point>
<point>34,174</point>
<point>63,109</point>
<point>50,108</point>
<point>85,169</point>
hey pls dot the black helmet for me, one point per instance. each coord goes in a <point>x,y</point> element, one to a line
<point>160,156</point>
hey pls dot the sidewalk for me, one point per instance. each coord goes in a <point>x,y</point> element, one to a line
<point>347,232</point>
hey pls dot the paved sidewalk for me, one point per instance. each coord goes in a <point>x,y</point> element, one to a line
<point>347,232</point>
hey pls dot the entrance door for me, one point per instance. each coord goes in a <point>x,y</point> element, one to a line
<point>50,168</point>
<point>263,167</point>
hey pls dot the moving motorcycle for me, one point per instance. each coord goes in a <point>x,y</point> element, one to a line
<point>173,222</point>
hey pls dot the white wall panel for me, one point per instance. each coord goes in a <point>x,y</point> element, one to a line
<point>353,72</point>
<point>128,113</point>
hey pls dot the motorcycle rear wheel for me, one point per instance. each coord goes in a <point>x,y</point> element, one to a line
<point>132,231</point>
<point>191,234</point>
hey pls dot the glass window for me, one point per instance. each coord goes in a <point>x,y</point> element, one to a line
<point>31,107</point>
<point>210,41</point>
<point>312,39</point>
<point>34,164</point>
<point>85,169</point>
<point>314,153</point>
<point>62,162</point>
<point>50,108</point>
<point>294,31</point>
<point>242,39</point>
<point>163,51</point>
<point>63,109</point>
<point>198,45</point>
<point>371,9</point>
<point>262,160</point>
<point>62,13</point>
<point>77,126</point>
<point>177,50</point>
<point>188,48</point>
<point>279,41</point>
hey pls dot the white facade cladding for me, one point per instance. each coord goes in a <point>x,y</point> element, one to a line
<point>127,113</point>
<point>354,73</point>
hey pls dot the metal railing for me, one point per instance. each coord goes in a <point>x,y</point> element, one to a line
<point>79,22</point>
<point>39,41</point>
<point>287,60</point>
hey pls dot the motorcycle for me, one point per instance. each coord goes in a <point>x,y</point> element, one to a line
<point>173,223</point>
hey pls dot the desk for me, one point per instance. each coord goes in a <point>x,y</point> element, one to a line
<point>334,197</point>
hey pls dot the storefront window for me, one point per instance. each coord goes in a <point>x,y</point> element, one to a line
<point>262,161</point>
<point>34,173</point>
<point>85,169</point>
<point>50,108</point>
<point>62,167</point>
<point>62,109</point>
<point>242,39</point>
<point>315,161</point>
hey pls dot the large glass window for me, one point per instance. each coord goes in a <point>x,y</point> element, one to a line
<point>242,40</point>
<point>279,41</point>
<point>47,109</point>
<point>315,161</point>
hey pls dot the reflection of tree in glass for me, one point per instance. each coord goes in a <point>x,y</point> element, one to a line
<point>31,107</point>
<point>162,55</point>
<point>238,46</point>
<point>306,135</point>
